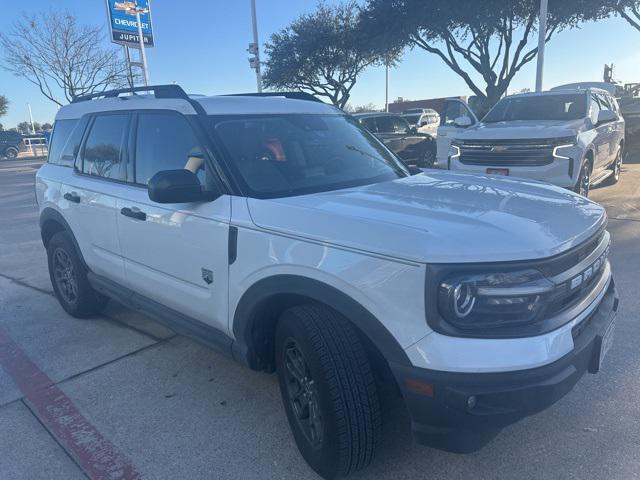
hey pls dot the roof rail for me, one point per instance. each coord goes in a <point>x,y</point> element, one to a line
<point>160,91</point>
<point>293,95</point>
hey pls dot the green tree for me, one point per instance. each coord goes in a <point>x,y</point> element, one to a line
<point>322,53</point>
<point>4,105</point>
<point>61,57</point>
<point>485,42</point>
<point>24,128</point>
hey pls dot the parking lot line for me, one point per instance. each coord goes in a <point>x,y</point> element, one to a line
<point>98,457</point>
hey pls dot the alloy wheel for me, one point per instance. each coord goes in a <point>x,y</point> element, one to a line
<point>585,182</point>
<point>65,276</point>
<point>303,394</point>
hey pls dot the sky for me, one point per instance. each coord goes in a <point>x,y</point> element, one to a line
<point>202,45</point>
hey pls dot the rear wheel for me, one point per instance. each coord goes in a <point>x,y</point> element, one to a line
<point>69,279</point>
<point>328,390</point>
<point>11,153</point>
<point>584,180</point>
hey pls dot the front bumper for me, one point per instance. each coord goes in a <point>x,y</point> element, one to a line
<point>443,416</point>
<point>561,172</point>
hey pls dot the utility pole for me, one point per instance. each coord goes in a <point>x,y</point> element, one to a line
<point>143,55</point>
<point>386,87</point>
<point>542,34</point>
<point>254,48</point>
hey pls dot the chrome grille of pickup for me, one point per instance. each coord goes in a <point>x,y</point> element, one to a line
<point>508,153</point>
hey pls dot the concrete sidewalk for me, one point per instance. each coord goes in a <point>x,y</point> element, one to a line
<point>165,407</point>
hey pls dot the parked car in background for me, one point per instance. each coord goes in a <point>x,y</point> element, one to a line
<point>573,138</point>
<point>10,143</point>
<point>415,148</point>
<point>426,121</point>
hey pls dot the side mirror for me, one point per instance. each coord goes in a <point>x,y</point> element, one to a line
<point>412,130</point>
<point>463,122</point>
<point>606,116</point>
<point>175,186</point>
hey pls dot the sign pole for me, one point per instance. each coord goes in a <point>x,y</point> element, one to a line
<point>255,41</point>
<point>542,34</point>
<point>143,55</point>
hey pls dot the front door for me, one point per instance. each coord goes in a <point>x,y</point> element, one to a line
<point>448,130</point>
<point>91,194</point>
<point>175,254</point>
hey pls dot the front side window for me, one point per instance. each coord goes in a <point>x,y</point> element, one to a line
<point>453,111</point>
<point>370,124</point>
<point>570,106</point>
<point>166,141</point>
<point>102,153</point>
<point>284,155</point>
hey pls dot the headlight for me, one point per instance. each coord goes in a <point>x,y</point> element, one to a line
<point>563,147</point>
<point>494,299</point>
<point>454,151</point>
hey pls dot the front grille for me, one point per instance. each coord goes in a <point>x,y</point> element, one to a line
<point>508,153</point>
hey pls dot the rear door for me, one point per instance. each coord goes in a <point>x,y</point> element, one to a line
<point>388,132</point>
<point>174,254</point>
<point>604,132</point>
<point>447,130</point>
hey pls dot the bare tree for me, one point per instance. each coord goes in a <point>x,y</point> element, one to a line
<point>62,58</point>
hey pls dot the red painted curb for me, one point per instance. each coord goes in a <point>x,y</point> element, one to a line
<point>98,457</point>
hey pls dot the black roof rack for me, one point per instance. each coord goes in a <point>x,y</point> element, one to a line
<point>293,95</point>
<point>159,91</point>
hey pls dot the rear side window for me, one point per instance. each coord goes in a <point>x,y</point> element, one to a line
<point>102,153</point>
<point>65,142</point>
<point>165,141</point>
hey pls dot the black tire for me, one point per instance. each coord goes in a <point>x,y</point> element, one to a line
<point>336,377</point>
<point>429,156</point>
<point>583,186</point>
<point>69,279</point>
<point>11,153</point>
<point>616,167</point>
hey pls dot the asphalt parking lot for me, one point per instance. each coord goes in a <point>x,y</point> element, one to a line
<point>120,396</point>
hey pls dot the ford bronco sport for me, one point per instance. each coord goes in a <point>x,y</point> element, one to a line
<point>278,231</point>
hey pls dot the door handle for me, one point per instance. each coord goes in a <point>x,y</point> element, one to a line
<point>72,197</point>
<point>137,214</point>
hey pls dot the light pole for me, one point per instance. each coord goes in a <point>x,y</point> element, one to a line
<point>255,61</point>
<point>143,55</point>
<point>542,34</point>
<point>386,87</point>
<point>33,130</point>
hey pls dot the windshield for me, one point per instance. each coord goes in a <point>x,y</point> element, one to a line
<point>284,155</point>
<point>571,106</point>
<point>412,119</point>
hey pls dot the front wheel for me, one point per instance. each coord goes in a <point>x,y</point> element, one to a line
<point>584,180</point>
<point>616,168</point>
<point>328,390</point>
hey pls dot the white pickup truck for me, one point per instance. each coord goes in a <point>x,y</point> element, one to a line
<point>572,138</point>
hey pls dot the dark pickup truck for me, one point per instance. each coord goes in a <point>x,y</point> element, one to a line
<point>10,144</point>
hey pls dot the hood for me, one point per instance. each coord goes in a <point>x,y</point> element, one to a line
<point>440,218</point>
<point>522,129</point>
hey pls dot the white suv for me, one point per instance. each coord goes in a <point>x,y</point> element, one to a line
<point>279,232</point>
<point>572,138</point>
